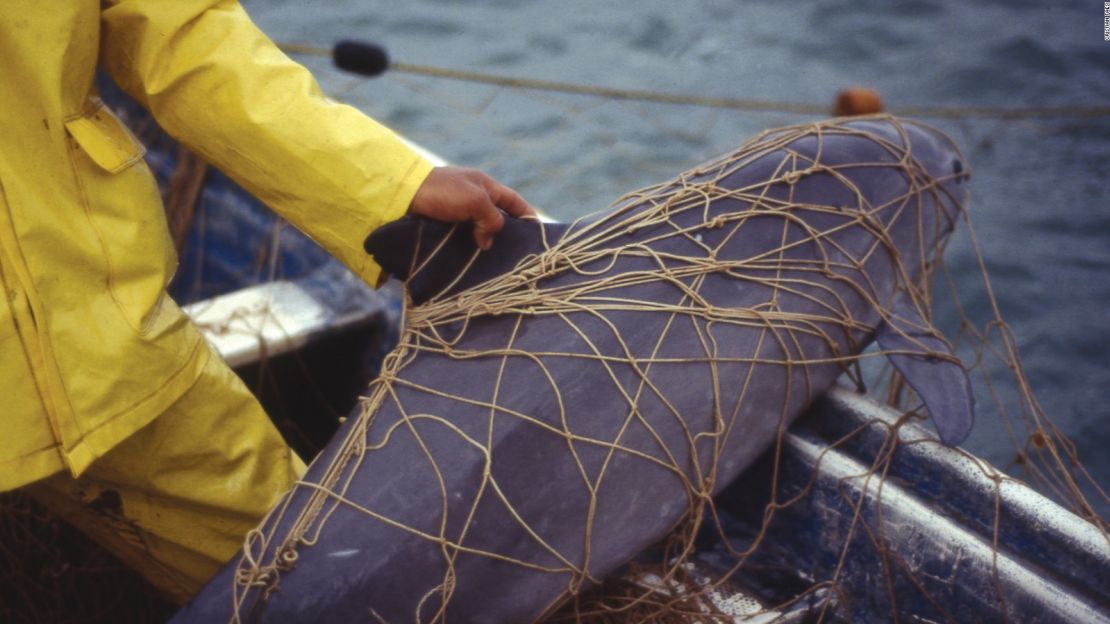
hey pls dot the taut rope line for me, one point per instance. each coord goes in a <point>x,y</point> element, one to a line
<point>726,103</point>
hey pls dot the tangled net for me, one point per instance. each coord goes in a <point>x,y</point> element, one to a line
<point>662,587</point>
<point>624,352</point>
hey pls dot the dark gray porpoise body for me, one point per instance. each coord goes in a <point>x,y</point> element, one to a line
<point>359,568</point>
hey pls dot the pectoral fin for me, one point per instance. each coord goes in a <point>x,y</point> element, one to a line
<point>913,347</point>
<point>401,246</point>
<point>430,255</point>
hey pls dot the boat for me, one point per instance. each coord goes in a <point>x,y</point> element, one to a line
<point>933,534</point>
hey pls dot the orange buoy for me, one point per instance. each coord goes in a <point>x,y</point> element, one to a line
<point>858,101</point>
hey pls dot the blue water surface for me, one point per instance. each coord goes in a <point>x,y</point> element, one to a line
<point>1039,204</point>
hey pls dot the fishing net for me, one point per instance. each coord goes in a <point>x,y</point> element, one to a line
<point>635,329</point>
<point>716,565</point>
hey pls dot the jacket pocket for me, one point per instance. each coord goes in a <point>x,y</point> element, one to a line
<point>104,138</point>
<point>124,205</point>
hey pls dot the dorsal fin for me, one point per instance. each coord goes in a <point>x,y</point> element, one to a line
<point>428,255</point>
<point>941,384</point>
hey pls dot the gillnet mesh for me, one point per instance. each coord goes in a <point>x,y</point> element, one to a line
<point>668,342</point>
<point>663,585</point>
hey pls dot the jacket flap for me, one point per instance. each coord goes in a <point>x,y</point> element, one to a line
<point>104,138</point>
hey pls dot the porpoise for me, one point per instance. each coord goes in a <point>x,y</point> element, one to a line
<point>561,402</point>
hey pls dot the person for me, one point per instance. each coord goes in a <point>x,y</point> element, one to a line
<point>117,414</point>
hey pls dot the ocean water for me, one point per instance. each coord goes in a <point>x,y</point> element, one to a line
<point>1039,188</point>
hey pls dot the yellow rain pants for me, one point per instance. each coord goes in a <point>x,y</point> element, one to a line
<point>131,501</point>
<point>94,356</point>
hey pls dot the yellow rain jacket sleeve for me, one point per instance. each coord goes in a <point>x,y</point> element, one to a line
<point>221,87</point>
<point>91,348</point>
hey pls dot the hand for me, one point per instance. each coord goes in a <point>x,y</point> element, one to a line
<point>457,194</point>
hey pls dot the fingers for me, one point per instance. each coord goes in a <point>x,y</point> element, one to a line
<point>456,194</point>
<point>507,199</point>
<point>488,220</point>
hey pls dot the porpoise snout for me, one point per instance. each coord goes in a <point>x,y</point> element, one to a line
<point>944,161</point>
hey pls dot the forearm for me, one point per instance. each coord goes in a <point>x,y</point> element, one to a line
<point>218,85</point>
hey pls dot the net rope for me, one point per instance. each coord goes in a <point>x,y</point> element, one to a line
<point>727,103</point>
<point>1045,458</point>
<point>593,245</point>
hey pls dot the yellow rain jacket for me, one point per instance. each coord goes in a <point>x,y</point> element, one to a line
<point>91,347</point>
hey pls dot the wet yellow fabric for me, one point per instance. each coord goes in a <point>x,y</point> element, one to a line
<point>91,348</point>
<point>152,500</point>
